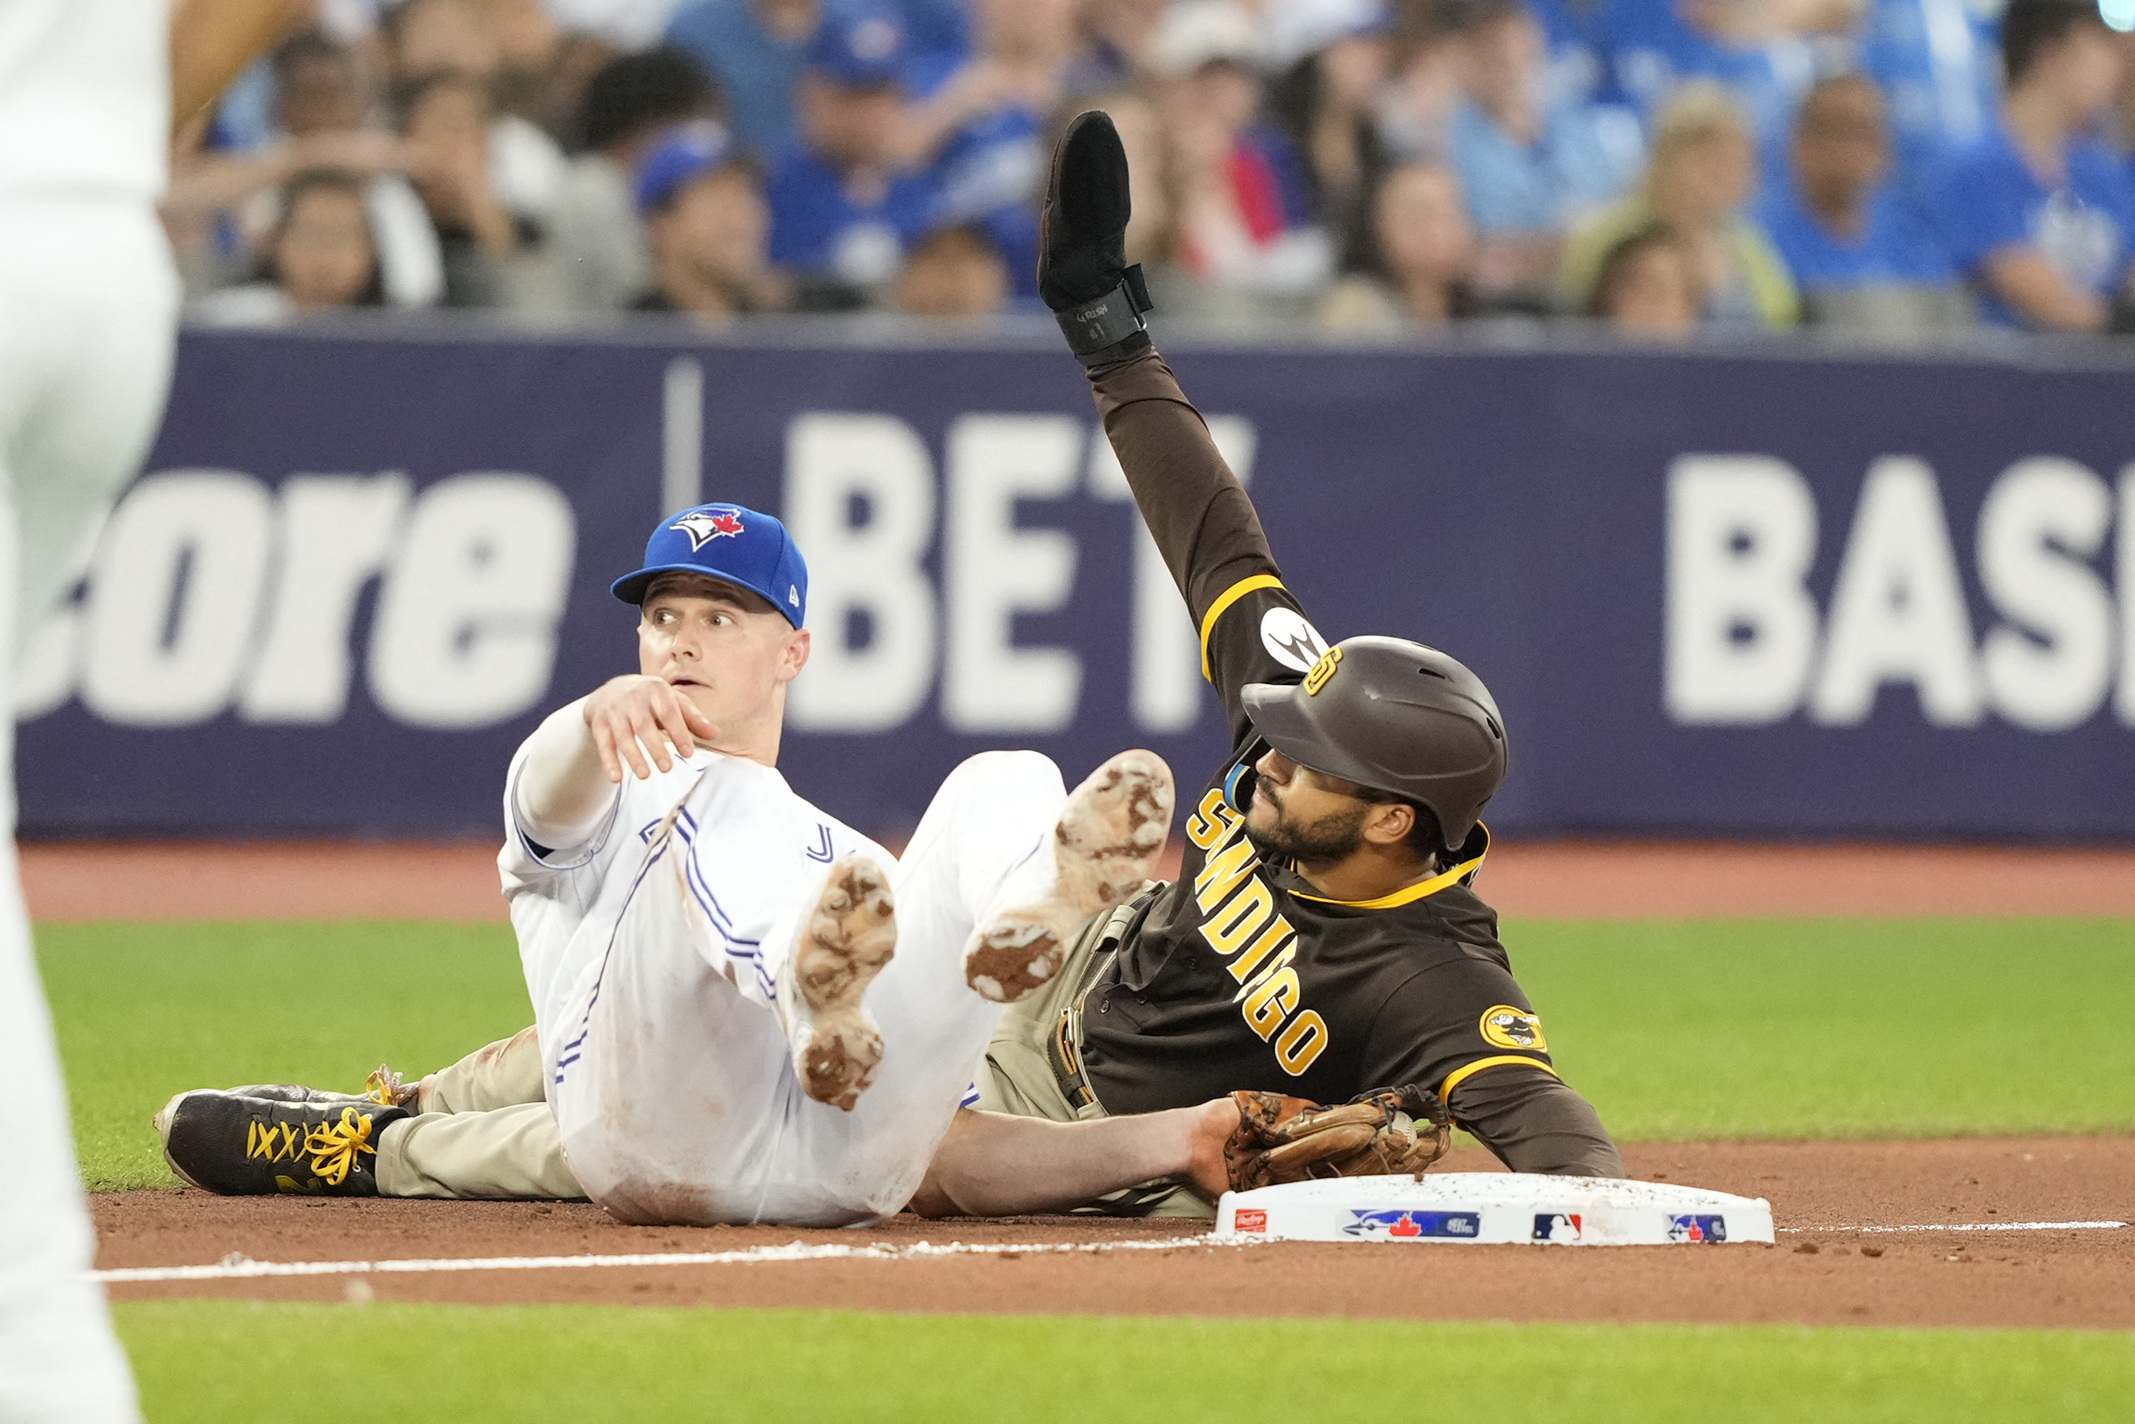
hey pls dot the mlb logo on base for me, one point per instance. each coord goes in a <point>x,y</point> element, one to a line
<point>1557,1226</point>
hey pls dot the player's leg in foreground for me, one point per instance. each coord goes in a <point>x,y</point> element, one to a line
<point>985,851</point>
<point>479,1129</point>
<point>86,301</point>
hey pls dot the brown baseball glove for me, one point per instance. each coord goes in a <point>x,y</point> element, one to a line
<point>1379,1133</point>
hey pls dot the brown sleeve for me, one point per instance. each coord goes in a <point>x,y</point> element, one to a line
<point>1194,506</point>
<point>1208,532</point>
<point>1534,1123</point>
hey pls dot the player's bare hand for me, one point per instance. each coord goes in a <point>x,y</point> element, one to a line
<point>1212,1126</point>
<point>635,720</point>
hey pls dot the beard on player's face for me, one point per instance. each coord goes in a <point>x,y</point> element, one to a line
<point>1277,832</point>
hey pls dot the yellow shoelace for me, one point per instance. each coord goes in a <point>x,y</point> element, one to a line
<point>334,1145</point>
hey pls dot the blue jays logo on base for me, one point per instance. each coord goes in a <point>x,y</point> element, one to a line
<point>1557,1226</point>
<point>1697,1228</point>
<point>705,525</point>
<point>1415,1225</point>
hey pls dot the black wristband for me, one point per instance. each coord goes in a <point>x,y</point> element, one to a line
<point>1096,330</point>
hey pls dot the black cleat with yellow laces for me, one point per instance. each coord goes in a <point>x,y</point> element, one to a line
<point>250,1146</point>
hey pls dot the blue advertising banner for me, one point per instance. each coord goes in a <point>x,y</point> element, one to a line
<point>1744,594</point>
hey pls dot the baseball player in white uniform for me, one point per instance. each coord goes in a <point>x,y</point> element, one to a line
<point>88,309</point>
<point>745,1010</point>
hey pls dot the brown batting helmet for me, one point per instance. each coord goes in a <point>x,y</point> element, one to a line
<point>1395,716</point>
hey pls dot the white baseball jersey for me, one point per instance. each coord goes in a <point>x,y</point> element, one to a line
<point>655,955</point>
<point>84,97</point>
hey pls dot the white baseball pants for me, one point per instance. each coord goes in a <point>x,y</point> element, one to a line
<point>683,1106</point>
<point>88,303</point>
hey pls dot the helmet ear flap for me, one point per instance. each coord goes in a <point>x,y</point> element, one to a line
<point>1239,783</point>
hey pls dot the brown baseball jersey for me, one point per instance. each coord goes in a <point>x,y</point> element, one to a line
<point>1241,974</point>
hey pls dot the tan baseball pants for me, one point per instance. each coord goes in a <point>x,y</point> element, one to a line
<point>484,1133</point>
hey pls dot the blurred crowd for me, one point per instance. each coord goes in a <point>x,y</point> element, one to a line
<point>1361,166</point>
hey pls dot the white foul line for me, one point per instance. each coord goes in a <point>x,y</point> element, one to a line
<point>1977,1226</point>
<point>235,1267</point>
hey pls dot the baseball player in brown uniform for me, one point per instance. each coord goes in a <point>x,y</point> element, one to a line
<point>1323,939</point>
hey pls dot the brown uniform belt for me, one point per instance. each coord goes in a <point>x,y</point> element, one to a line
<point>1063,1045</point>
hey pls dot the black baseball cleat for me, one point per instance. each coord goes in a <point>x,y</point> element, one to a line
<point>251,1146</point>
<point>383,1088</point>
<point>1082,252</point>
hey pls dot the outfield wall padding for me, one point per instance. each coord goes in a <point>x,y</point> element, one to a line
<point>1717,592</point>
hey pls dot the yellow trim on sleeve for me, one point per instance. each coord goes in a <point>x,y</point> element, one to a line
<point>1466,1071</point>
<point>1421,890</point>
<point>1223,602</point>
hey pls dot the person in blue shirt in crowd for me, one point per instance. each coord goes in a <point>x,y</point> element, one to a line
<point>2038,214</point>
<point>1531,167</point>
<point>1938,63</point>
<point>1759,50</point>
<point>983,125</point>
<point>846,201</point>
<point>757,49</point>
<point>1859,257</point>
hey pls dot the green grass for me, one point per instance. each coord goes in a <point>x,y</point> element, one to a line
<point>223,1360</point>
<point>1840,1028</point>
<point>1853,1028</point>
<point>145,1011</point>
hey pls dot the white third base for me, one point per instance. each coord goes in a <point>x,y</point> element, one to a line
<point>1495,1208</point>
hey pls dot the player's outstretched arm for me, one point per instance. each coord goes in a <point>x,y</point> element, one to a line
<point>212,41</point>
<point>992,1164</point>
<point>1533,1122</point>
<point>1194,506</point>
<point>578,755</point>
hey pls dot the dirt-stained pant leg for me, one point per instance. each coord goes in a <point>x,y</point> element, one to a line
<point>485,1132</point>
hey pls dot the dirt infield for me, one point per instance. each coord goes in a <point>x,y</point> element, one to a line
<point>1825,1270</point>
<point>457,880</point>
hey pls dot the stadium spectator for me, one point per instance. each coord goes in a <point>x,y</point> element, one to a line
<point>596,242</point>
<point>445,119</point>
<point>1647,287</point>
<point>843,208</point>
<point>221,205</point>
<point>757,50</point>
<point>428,39</point>
<point>1415,271</point>
<point>708,227</point>
<point>319,256</point>
<point>1245,229</point>
<point>1859,258</point>
<point>2038,214</point>
<point>1331,59</point>
<point>1937,63</point>
<point>1414,109</point>
<point>955,272</point>
<point>1117,44</point>
<point>983,127</point>
<point>1702,169</point>
<point>1531,167</point>
<point>1766,52</point>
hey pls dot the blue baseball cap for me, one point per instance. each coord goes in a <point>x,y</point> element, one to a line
<point>728,542</point>
<point>682,154</point>
<point>858,46</point>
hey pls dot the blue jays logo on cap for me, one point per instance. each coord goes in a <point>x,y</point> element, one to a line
<point>731,543</point>
<point>705,525</point>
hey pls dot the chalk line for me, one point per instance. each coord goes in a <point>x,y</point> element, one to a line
<point>236,1267</point>
<point>1975,1226</point>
